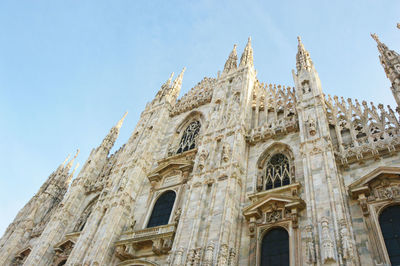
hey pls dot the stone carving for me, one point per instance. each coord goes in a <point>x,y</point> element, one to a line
<point>364,130</point>
<point>276,113</point>
<point>197,96</point>
<point>310,247</point>
<point>223,255</point>
<point>226,151</point>
<point>177,215</point>
<point>62,252</point>
<point>389,192</point>
<point>347,250</point>
<point>178,257</point>
<point>202,159</point>
<point>232,257</point>
<point>274,216</point>
<point>209,254</point>
<point>312,130</point>
<point>327,246</point>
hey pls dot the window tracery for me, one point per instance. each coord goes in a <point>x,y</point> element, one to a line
<point>277,172</point>
<point>189,137</point>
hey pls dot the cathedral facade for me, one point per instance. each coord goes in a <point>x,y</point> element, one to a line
<point>235,172</point>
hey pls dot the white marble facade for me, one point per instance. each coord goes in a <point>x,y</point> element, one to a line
<point>339,170</point>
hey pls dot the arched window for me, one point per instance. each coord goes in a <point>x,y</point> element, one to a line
<point>389,221</point>
<point>162,209</point>
<point>188,140</point>
<point>278,172</point>
<point>275,248</point>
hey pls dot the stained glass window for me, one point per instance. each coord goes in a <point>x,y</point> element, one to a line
<point>188,140</point>
<point>162,209</point>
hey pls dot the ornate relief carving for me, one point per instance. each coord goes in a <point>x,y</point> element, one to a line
<point>178,257</point>
<point>202,158</point>
<point>232,257</point>
<point>310,246</point>
<point>209,254</point>
<point>197,96</point>
<point>347,248</point>
<point>226,152</point>
<point>365,131</point>
<point>62,251</point>
<point>312,129</point>
<point>327,246</point>
<point>223,255</point>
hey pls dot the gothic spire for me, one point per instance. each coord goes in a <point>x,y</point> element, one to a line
<point>69,165</point>
<point>390,61</point>
<point>119,124</point>
<point>112,136</point>
<point>381,46</point>
<point>247,56</point>
<point>303,59</point>
<point>178,81</point>
<point>231,63</point>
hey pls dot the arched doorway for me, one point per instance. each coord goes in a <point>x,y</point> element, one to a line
<point>389,221</point>
<point>275,248</point>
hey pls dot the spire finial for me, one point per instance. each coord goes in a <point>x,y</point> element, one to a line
<point>375,37</point>
<point>69,165</point>
<point>247,56</point>
<point>231,62</point>
<point>303,59</point>
<point>178,80</point>
<point>66,160</point>
<point>119,124</point>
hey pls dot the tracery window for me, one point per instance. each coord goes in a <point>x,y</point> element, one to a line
<point>162,209</point>
<point>275,248</point>
<point>278,172</point>
<point>188,140</point>
<point>389,221</point>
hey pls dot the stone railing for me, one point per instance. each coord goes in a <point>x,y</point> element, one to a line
<point>361,130</point>
<point>159,238</point>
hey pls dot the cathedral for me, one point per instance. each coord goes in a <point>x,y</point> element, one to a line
<point>234,172</point>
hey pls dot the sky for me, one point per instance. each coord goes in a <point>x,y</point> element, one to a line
<point>70,69</point>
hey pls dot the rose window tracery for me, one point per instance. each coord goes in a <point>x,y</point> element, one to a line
<point>188,140</point>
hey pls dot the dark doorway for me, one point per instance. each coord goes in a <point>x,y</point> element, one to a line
<point>275,248</point>
<point>390,226</point>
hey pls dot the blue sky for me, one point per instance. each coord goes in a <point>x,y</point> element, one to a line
<point>70,69</point>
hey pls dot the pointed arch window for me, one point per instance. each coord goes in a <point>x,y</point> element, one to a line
<point>275,248</point>
<point>162,209</point>
<point>188,140</point>
<point>278,172</point>
<point>389,221</point>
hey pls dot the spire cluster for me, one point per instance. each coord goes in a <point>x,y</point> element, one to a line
<point>247,56</point>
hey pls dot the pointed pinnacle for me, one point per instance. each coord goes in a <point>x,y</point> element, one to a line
<point>119,124</point>
<point>66,159</point>
<point>375,37</point>
<point>73,171</point>
<point>179,78</point>
<point>69,165</point>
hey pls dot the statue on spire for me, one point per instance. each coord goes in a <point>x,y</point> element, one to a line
<point>247,56</point>
<point>231,63</point>
<point>303,59</point>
